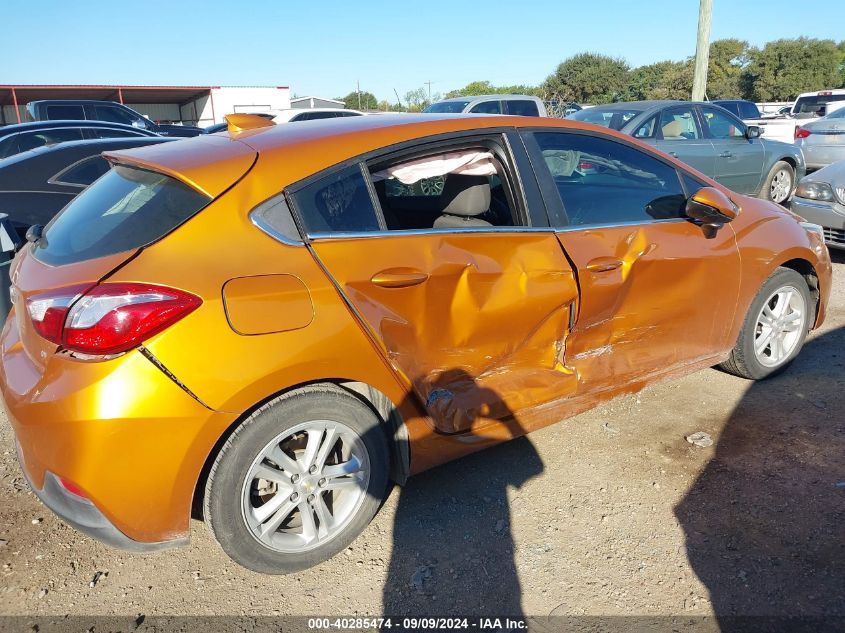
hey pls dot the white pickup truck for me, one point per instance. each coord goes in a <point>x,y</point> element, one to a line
<point>808,107</point>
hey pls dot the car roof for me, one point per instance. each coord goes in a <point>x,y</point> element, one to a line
<point>41,125</point>
<point>492,97</point>
<point>285,154</point>
<point>642,105</point>
<point>94,145</point>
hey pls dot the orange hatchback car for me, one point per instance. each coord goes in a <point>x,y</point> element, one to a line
<point>268,325</point>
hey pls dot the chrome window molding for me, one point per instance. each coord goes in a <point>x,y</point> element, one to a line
<point>412,232</point>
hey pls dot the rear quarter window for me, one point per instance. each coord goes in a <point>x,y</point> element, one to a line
<point>124,210</point>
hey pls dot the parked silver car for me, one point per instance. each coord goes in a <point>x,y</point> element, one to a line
<point>712,140</point>
<point>823,141</point>
<point>820,198</point>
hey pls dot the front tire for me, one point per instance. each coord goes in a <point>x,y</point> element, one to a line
<point>298,480</point>
<point>779,184</point>
<point>775,328</point>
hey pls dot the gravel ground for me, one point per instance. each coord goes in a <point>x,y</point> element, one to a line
<point>610,513</point>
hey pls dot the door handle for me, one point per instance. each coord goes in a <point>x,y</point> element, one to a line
<point>726,154</point>
<point>675,154</point>
<point>604,264</point>
<point>399,277</point>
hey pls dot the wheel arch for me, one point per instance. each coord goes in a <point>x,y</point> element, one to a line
<point>387,411</point>
<point>806,269</point>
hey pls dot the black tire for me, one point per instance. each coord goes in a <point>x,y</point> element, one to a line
<point>743,361</point>
<point>223,492</point>
<point>766,191</point>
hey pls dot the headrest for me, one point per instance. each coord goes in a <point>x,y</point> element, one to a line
<point>466,195</point>
<point>673,128</point>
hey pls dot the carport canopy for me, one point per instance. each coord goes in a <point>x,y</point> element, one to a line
<point>19,96</point>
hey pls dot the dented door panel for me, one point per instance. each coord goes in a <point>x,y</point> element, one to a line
<point>475,322</point>
<point>654,297</point>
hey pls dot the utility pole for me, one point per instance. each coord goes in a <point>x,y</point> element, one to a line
<point>428,83</point>
<point>702,50</point>
<point>358,90</point>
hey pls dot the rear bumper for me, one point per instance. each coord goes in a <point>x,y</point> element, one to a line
<point>125,434</point>
<point>82,515</point>
<point>817,155</point>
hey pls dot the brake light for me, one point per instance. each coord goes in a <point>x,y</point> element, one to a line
<point>801,132</point>
<point>109,318</point>
<point>824,93</point>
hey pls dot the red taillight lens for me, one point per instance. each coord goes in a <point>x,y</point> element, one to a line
<point>109,318</point>
<point>49,310</point>
<point>800,132</point>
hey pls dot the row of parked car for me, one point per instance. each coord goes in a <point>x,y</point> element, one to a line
<point>44,164</point>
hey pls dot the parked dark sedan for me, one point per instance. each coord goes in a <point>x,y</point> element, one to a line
<point>712,140</point>
<point>36,185</point>
<point>25,136</point>
<point>47,110</point>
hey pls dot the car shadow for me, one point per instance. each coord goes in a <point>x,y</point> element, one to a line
<point>453,551</point>
<point>765,519</point>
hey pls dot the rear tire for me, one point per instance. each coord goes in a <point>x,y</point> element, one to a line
<point>775,328</point>
<point>298,480</point>
<point>779,184</point>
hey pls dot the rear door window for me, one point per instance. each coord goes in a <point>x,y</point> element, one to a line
<point>111,132</point>
<point>112,114</point>
<point>31,140</point>
<point>340,202</point>
<point>487,107</point>
<point>126,209</point>
<point>65,112</point>
<point>522,107</point>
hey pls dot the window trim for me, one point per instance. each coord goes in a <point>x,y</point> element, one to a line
<point>558,218</point>
<point>55,178</point>
<point>501,135</point>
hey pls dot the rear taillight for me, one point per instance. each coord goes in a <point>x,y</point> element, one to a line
<point>109,318</point>
<point>801,132</point>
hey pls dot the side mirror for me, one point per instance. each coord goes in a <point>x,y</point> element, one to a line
<point>712,209</point>
<point>34,233</point>
<point>753,131</point>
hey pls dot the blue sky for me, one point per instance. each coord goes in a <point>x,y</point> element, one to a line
<point>323,47</point>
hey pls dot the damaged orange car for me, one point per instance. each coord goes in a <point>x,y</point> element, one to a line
<point>267,325</point>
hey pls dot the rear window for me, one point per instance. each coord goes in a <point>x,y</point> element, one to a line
<point>126,209</point>
<point>816,104</point>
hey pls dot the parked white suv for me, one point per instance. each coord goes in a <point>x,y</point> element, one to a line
<point>521,105</point>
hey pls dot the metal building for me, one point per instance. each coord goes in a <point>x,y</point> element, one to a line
<point>191,105</point>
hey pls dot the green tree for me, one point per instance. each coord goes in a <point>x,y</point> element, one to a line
<point>841,49</point>
<point>783,69</point>
<point>368,101</point>
<point>725,73</point>
<point>476,88</point>
<point>663,80</point>
<point>588,77</point>
<point>417,100</point>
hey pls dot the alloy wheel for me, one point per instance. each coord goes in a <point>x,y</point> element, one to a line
<point>779,326</point>
<point>781,186</point>
<point>305,486</point>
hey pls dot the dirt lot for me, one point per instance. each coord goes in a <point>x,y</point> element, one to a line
<point>611,512</point>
